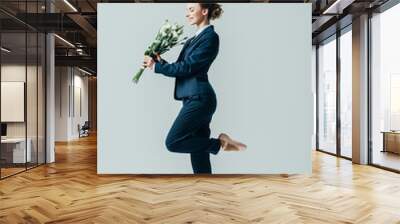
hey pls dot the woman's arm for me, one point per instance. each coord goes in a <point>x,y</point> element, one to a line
<point>158,58</point>
<point>162,61</point>
<point>201,57</point>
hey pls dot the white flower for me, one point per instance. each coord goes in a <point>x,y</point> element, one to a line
<point>166,27</point>
<point>166,38</point>
<point>175,35</point>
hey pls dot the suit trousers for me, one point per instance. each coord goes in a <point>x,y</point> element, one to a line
<point>190,132</point>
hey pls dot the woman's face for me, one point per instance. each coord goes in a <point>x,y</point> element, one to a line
<point>195,14</point>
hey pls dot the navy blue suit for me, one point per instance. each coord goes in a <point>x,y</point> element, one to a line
<point>190,132</point>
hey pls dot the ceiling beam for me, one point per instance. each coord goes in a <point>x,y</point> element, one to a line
<point>86,26</point>
<point>337,6</point>
<point>320,22</point>
<point>85,61</point>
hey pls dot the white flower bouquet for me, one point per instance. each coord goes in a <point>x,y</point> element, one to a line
<point>167,38</point>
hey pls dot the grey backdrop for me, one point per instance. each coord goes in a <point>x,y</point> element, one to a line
<point>262,78</point>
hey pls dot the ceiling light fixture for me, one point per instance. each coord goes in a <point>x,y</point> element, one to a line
<point>84,71</point>
<point>64,40</point>
<point>5,50</point>
<point>79,51</point>
<point>70,5</point>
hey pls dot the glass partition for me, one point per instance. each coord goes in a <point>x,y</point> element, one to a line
<point>22,78</point>
<point>32,95</point>
<point>327,96</point>
<point>14,153</point>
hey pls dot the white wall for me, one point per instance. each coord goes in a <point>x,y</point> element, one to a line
<point>61,103</point>
<point>79,117</point>
<point>261,77</point>
<point>17,72</point>
<point>68,83</point>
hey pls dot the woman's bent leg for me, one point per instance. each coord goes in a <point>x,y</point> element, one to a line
<point>194,115</point>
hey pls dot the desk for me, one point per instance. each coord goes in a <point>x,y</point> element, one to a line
<point>15,148</point>
<point>391,141</point>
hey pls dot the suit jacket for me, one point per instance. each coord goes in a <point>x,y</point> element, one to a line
<point>190,69</point>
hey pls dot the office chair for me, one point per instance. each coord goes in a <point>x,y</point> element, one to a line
<point>84,130</point>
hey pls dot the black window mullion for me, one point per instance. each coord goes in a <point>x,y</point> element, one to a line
<point>338,92</point>
<point>26,86</point>
<point>37,89</point>
<point>317,96</point>
<point>45,90</point>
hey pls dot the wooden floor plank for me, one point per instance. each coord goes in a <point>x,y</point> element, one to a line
<point>70,191</point>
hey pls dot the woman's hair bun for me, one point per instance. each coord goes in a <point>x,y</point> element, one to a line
<point>214,10</point>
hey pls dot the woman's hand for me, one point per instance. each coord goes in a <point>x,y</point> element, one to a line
<point>148,62</point>
<point>158,57</point>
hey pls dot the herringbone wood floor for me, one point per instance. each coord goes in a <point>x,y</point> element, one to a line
<point>70,191</point>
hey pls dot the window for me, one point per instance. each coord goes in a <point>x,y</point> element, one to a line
<point>327,96</point>
<point>385,89</point>
<point>346,93</point>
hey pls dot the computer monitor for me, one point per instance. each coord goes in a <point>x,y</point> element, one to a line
<point>3,129</point>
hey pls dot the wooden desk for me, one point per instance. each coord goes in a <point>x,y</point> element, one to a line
<point>391,141</point>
